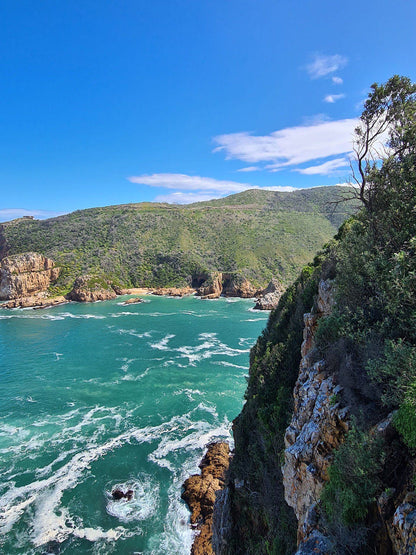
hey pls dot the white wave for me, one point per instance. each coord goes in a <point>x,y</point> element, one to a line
<point>189,393</point>
<point>231,365</point>
<point>162,344</point>
<point>255,320</point>
<point>141,506</point>
<point>132,332</point>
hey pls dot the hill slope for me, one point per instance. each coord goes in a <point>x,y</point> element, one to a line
<point>261,234</point>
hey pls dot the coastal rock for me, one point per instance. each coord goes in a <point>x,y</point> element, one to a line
<point>269,297</point>
<point>212,287</point>
<point>133,300</point>
<point>200,493</point>
<point>174,291</point>
<point>90,289</point>
<point>36,301</point>
<point>237,287</point>
<point>25,275</point>
<point>317,428</point>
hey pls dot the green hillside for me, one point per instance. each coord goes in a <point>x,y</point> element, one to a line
<point>260,234</point>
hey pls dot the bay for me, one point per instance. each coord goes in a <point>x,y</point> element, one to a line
<point>101,396</point>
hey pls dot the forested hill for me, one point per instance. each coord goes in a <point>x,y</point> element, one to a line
<point>260,234</point>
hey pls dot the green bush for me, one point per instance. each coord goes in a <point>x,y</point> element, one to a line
<point>405,418</point>
<point>353,478</point>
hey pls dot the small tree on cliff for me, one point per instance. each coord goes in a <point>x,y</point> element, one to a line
<point>386,132</point>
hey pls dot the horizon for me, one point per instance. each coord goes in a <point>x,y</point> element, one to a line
<point>106,104</point>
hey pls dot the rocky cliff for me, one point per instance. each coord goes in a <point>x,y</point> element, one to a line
<point>251,515</point>
<point>25,275</point>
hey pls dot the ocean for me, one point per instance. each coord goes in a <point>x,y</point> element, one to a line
<point>100,396</point>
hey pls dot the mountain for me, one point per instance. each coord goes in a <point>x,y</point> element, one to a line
<point>257,234</point>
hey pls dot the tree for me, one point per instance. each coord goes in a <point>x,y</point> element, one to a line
<point>387,130</point>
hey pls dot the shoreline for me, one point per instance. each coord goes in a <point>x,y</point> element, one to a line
<point>41,301</point>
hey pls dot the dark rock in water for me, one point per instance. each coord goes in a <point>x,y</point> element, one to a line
<point>118,494</point>
<point>52,547</point>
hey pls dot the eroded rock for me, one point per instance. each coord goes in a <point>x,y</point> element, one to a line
<point>26,275</point>
<point>200,493</point>
<point>269,298</point>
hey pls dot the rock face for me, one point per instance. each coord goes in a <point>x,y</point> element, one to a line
<point>234,286</point>
<point>89,289</point>
<point>200,492</point>
<point>269,298</point>
<point>402,529</point>
<point>317,427</point>
<point>229,285</point>
<point>212,287</point>
<point>25,275</point>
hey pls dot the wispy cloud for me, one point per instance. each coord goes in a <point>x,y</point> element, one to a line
<point>337,80</point>
<point>327,168</point>
<point>249,169</point>
<point>321,65</point>
<point>291,146</point>
<point>189,182</point>
<point>12,213</point>
<point>196,188</point>
<point>332,98</point>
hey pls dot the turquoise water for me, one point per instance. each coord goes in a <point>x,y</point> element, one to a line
<point>104,395</point>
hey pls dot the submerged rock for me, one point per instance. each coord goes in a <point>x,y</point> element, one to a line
<point>119,494</point>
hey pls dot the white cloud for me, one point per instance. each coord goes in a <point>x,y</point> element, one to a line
<point>189,182</point>
<point>331,98</point>
<point>281,189</point>
<point>324,65</point>
<point>7,214</point>
<point>179,197</point>
<point>249,169</point>
<point>290,146</point>
<point>327,168</point>
<point>337,80</point>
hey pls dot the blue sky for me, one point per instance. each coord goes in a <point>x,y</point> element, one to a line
<point>109,102</point>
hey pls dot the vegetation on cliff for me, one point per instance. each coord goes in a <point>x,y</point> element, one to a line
<point>368,344</point>
<point>256,234</point>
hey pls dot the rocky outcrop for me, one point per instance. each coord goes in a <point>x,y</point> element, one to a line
<point>402,529</point>
<point>237,286</point>
<point>174,291</point>
<point>133,300</point>
<point>90,289</point>
<point>269,298</point>
<point>42,300</point>
<point>200,493</point>
<point>212,287</point>
<point>26,275</point>
<point>229,285</point>
<point>318,424</point>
